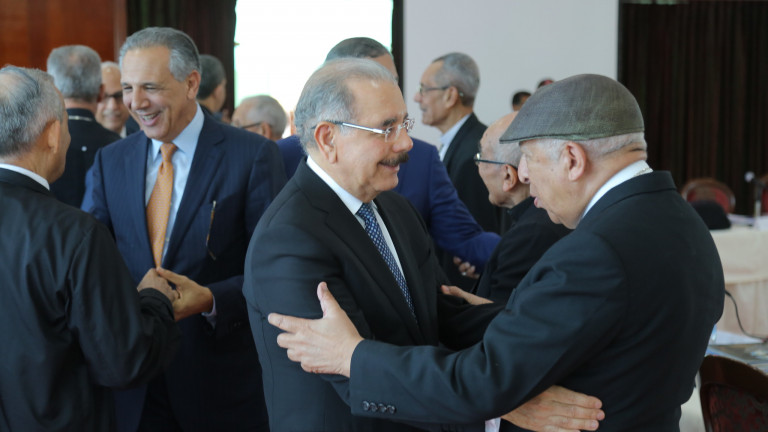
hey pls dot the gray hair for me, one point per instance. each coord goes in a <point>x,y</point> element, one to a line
<point>28,102</point>
<point>76,71</point>
<point>595,148</point>
<point>265,108</point>
<point>358,47</point>
<point>509,153</point>
<point>211,75</point>
<point>326,96</point>
<point>460,71</point>
<point>184,55</point>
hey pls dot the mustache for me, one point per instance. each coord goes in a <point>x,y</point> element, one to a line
<point>397,160</point>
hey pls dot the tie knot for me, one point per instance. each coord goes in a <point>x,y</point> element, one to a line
<point>366,212</point>
<point>168,149</point>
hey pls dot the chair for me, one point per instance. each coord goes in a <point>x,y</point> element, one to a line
<point>734,396</point>
<point>709,189</point>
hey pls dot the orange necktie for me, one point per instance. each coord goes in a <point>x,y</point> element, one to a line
<point>159,206</point>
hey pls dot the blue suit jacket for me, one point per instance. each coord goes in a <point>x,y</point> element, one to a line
<point>214,382</point>
<point>424,181</point>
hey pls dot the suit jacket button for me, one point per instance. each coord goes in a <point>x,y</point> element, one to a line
<point>366,406</point>
<point>374,407</point>
<point>382,408</point>
<point>391,409</point>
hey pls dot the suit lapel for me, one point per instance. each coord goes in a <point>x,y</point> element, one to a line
<point>453,149</point>
<point>349,230</point>
<point>205,162</point>
<point>135,174</point>
<point>399,233</point>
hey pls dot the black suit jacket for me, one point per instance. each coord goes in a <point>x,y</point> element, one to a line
<point>71,321</point>
<point>460,164</point>
<point>531,234</point>
<point>307,236</point>
<point>88,136</point>
<point>622,308</point>
<point>214,382</point>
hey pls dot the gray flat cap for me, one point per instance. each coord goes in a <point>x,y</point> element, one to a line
<point>578,108</point>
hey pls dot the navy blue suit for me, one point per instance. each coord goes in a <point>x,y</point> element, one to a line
<point>424,181</point>
<point>214,383</point>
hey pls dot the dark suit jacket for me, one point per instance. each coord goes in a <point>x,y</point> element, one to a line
<point>460,164</point>
<point>424,181</point>
<point>71,321</point>
<point>307,236</point>
<point>214,383</point>
<point>532,233</point>
<point>622,308</point>
<point>88,136</point>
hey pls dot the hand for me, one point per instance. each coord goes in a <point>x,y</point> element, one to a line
<point>321,346</point>
<point>468,297</point>
<point>466,269</point>
<point>152,280</point>
<point>192,299</point>
<point>558,409</point>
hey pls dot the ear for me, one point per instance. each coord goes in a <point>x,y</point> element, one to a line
<point>575,158</point>
<point>53,137</point>
<point>451,96</point>
<point>193,84</point>
<point>324,135</point>
<point>100,97</point>
<point>510,178</point>
<point>221,92</point>
<point>264,129</point>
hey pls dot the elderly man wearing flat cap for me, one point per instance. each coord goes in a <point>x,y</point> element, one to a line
<point>621,308</point>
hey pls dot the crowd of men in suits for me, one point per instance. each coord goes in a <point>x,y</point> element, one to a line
<point>231,235</point>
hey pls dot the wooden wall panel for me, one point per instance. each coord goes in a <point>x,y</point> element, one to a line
<point>30,29</point>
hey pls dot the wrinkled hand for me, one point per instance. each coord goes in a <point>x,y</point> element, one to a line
<point>152,280</point>
<point>466,268</point>
<point>558,409</point>
<point>323,345</point>
<point>192,298</point>
<point>468,297</point>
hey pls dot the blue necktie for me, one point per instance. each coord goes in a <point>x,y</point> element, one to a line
<point>374,231</point>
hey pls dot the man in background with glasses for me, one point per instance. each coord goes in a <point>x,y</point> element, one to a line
<point>337,221</point>
<point>111,112</point>
<point>261,114</point>
<point>531,232</point>
<point>446,98</point>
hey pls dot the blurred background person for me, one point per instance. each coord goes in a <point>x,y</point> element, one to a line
<point>261,114</point>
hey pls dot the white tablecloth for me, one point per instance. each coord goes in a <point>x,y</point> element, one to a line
<point>744,254</point>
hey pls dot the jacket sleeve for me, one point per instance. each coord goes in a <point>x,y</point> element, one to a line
<point>126,337</point>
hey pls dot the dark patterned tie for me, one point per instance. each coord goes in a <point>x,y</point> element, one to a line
<point>374,231</point>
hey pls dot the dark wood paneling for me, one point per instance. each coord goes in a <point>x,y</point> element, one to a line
<point>30,29</point>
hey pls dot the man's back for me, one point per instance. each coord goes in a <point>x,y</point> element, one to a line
<point>626,303</point>
<point>70,321</point>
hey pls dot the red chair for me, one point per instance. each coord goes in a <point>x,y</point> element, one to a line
<point>709,189</point>
<point>734,396</point>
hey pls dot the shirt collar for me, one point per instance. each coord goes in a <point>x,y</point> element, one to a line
<point>31,174</point>
<point>349,200</point>
<point>186,141</point>
<point>630,171</point>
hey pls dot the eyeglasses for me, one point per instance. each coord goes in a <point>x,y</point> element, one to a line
<point>407,124</point>
<point>423,89</point>
<point>478,158</point>
<point>251,125</point>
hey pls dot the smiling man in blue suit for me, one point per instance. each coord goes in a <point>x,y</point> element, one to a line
<point>185,194</point>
